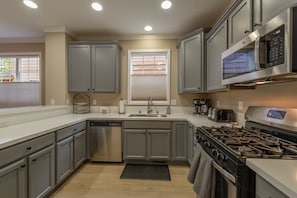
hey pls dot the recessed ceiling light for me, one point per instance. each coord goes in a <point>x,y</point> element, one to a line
<point>148,28</point>
<point>30,4</point>
<point>166,4</point>
<point>97,6</point>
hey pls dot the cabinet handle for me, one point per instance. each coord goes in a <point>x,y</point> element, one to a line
<point>247,31</point>
<point>29,148</point>
<point>23,166</point>
<point>257,24</point>
<point>34,160</point>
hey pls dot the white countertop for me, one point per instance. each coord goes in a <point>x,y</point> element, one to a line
<point>282,174</point>
<point>18,133</point>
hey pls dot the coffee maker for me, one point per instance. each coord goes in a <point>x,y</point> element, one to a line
<point>201,106</point>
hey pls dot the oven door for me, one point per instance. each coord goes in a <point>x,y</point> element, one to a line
<point>225,183</point>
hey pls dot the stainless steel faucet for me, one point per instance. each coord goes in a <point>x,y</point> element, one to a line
<point>149,105</point>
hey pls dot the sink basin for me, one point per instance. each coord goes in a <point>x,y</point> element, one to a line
<point>148,115</point>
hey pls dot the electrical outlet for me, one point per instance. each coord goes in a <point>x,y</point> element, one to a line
<point>218,103</point>
<point>67,101</point>
<point>94,102</point>
<point>173,102</point>
<point>53,101</point>
<point>240,105</point>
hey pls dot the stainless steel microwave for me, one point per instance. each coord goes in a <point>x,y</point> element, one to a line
<point>268,54</point>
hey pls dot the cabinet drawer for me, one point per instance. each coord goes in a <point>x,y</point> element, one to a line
<point>147,125</point>
<point>71,130</point>
<point>15,152</point>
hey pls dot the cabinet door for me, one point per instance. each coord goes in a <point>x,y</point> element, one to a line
<point>134,144</point>
<point>216,44</point>
<point>64,159</point>
<point>13,180</point>
<point>42,172</point>
<point>191,66</point>
<point>79,68</point>
<point>264,10</point>
<point>240,22</point>
<point>158,144</point>
<point>105,68</point>
<point>190,143</point>
<point>179,141</point>
<point>79,148</point>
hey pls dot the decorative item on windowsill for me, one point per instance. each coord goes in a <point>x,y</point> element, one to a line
<point>81,104</point>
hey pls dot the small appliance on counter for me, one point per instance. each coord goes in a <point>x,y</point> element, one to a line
<point>81,104</point>
<point>201,106</point>
<point>221,115</point>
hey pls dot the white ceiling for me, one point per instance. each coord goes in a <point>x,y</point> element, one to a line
<point>119,18</point>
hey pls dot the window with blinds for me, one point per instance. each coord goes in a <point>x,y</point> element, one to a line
<point>149,76</point>
<point>19,69</point>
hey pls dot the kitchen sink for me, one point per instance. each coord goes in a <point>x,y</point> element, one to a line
<point>148,115</point>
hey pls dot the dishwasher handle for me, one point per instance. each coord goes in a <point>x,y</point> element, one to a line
<point>111,124</point>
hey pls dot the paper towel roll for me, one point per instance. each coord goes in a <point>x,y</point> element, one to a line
<point>121,106</point>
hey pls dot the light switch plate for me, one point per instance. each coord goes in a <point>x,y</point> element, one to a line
<point>173,102</point>
<point>240,105</point>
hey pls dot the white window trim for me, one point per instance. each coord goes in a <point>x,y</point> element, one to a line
<point>156,102</point>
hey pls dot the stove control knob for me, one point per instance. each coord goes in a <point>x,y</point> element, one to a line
<point>214,152</point>
<point>221,157</point>
<point>207,144</point>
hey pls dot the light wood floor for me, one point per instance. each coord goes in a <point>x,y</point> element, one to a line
<point>102,180</point>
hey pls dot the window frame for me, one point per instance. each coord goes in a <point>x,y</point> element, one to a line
<point>144,102</point>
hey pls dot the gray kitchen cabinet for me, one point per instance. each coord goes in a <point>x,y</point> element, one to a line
<point>64,159</point>
<point>79,148</point>
<point>94,67</point>
<point>240,22</point>
<point>147,140</point>
<point>191,62</point>
<point>135,144</point>
<point>70,150</point>
<point>158,144</point>
<point>41,177</point>
<point>13,180</point>
<point>264,10</point>
<point>266,190</point>
<point>191,130</point>
<point>79,70</point>
<point>179,141</point>
<point>27,169</point>
<point>217,42</point>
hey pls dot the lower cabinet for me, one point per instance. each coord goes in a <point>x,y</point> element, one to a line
<point>64,159</point>
<point>13,180</point>
<point>158,144</point>
<point>147,140</point>
<point>179,141</point>
<point>41,175</point>
<point>71,150</point>
<point>28,169</point>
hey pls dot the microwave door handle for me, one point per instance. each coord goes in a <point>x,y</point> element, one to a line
<point>257,54</point>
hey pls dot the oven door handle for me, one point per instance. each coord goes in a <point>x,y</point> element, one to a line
<point>225,173</point>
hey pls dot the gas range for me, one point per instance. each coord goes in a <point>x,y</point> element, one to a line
<point>268,133</point>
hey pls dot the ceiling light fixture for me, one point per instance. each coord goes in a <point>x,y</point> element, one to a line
<point>166,4</point>
<point>97,6</point>
<point>148,28</point>
<point>30,4</point>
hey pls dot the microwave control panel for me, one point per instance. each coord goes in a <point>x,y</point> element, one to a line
<point>275,46</point>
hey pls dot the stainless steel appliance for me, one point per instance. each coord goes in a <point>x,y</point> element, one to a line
<point>268,133</point>
<point>105,141</point>
<point>201,106</point>
<point>266,55</point>
<point>222,115</point>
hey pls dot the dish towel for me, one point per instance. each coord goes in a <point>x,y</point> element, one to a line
<point>200,173</point>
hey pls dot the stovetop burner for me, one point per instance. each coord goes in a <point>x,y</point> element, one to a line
<point>252,143</point>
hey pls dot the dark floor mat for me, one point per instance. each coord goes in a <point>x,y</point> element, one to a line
<point>145,171</point>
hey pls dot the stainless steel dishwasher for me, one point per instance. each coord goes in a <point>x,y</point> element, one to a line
<point>105,141</point>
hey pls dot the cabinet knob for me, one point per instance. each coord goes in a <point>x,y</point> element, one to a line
<point>29,148</point>
<point>23,166</point>
<point>257,25</point>
<point>34,160</point>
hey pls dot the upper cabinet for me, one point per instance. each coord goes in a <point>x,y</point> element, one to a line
<point>240,22</point>
<point>267,9</point>
<point>94,67</point>
<point>216,44</point>
<point>192,62</point>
